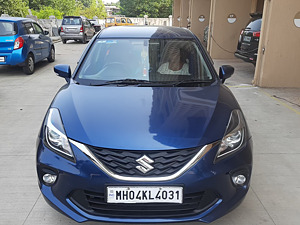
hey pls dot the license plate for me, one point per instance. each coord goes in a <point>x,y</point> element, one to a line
<point>144,194</point>
<point>2,59</point>
<point>246,38</point>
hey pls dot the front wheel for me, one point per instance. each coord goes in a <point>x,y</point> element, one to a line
<point>51,57</point>
<point>29,65</point>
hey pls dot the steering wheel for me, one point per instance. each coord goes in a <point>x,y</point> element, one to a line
<point>116,70</point>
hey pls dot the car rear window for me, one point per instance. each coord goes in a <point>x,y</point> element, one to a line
<point>71,21</point>
<point>8,28</point>
<point>110,20</point>
<point>255,25</point>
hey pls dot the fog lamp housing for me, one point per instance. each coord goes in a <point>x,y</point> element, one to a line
<point>239,179</point>
<point>49,179</point>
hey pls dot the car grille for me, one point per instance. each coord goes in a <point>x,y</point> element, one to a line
<point>123,162</point>
<point>95,204</point>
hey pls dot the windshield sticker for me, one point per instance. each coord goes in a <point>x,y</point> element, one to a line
<point>111,42</point>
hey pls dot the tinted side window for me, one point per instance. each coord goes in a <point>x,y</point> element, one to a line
<point>29,28</point>
<point>38,29</point>
<point>255,25</point>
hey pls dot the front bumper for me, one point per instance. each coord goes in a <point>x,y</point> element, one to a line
<point>83,176</point>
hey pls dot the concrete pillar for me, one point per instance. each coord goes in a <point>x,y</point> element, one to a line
<point>176,12</point>
<point>279,49</point>
<point>223,35</point>
<point>200,13</point>
<point>184,13</point>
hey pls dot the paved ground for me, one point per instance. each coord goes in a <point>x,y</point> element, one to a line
<point>275,124</point>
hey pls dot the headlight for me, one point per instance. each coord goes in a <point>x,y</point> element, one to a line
<point>234,135</point>
<point>55,135</point>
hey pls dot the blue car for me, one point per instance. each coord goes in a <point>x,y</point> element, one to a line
<point>144,131</point>
<point>23,43</point>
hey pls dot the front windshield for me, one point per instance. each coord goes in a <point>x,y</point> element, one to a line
<point>155,60</point>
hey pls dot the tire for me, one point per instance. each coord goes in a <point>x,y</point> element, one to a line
<point>64,41</point>
<point>51,57</point>
<point>84,39</point>
<point>29,65</point>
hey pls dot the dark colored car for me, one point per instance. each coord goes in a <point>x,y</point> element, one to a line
<point>136,136</point>
<point>249,39</point>
<point>23,43</point>
<point>96,25</point>
<point>76,28</point>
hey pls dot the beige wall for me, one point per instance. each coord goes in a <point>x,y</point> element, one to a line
<point>184,12</point>
<point>223,42</point>
<point>176,12</point>
<point>198,8</point>
<point>279,65</point>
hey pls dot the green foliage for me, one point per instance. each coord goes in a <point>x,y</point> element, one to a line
<point>39,4</point>
<point>66,7</point>
<point>151,8</point>
<point>59,8</point>
<point>95,10</point>
<point>86,3</point>
<point>47,11</point>
<point>14,7</point>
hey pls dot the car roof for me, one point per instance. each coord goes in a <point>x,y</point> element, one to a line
<point>15,19</point>
<point>146,32</point>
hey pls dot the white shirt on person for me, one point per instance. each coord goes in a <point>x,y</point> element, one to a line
<point>164,69</point>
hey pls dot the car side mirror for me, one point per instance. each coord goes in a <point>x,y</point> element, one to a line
<point>46,32</point>
<point>225,72</point>
<point>63,70</point>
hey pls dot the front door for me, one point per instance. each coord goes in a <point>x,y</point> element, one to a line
<point>44,40</point>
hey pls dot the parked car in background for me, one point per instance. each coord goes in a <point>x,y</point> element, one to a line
<point>249,39</point>
<point>23,43</point>
<point>118,21</point>
<point>144,131</point>
<point>76,28</point>
<point>96,25</point>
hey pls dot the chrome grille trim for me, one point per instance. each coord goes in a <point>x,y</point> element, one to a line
<point>191,163</point>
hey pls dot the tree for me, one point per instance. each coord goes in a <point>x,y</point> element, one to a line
<point>45,12</point>
<point>152,8</point>
<point>86,3</point>
<point>39,4</point>
<point>14,7</point>
<point>95,10</point>
<point>66,7</point>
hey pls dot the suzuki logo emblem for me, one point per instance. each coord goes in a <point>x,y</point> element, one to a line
<point>144,162</point>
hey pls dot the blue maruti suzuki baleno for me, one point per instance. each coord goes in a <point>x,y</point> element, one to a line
<point>144,131</point>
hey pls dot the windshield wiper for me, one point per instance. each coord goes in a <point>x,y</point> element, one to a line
<point>146,83</point>
<point>176,84</point>
<point>123,82</point>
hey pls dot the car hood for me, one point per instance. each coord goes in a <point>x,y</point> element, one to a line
<point>142,118</point>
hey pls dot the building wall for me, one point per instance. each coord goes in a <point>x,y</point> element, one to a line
<point>176,12</point>
<point>184,13</point>
<point>279,50</point>
<point>224,36</point>
<point>199,8</point>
